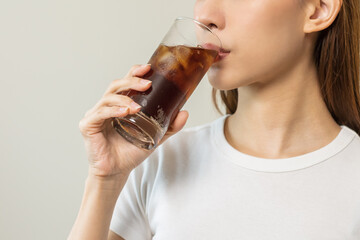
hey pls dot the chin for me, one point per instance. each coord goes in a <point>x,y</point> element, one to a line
<point>224,80</point>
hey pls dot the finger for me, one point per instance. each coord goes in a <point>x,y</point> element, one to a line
<point>177,125</point>
<point>125,84</point>
<point>92,124</point>
<point>138,70</point>
<point>115,100</point>
<point>142,70</point>
<point>118,100</point>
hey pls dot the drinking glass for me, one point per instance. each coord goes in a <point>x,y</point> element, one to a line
<point>177,66</point>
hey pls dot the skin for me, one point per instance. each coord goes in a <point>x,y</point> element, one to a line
<point>280,107</point>
<point>280,113</point>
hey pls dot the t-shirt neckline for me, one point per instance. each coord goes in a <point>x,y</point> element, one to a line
<point>340,142</point>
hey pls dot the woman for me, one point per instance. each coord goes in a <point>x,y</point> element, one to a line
<point>282,164</point>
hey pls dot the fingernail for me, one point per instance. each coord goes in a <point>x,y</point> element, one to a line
<point>144,65</point>
<point>145,82</point>
<point>135,105</point>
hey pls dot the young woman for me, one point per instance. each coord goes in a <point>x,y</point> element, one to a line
<point>283,163</point>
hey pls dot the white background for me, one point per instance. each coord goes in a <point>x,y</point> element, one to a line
<point>57,59</point>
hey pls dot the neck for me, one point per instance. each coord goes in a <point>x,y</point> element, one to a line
<point>282,118</point>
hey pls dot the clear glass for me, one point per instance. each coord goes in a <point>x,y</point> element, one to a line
<point>177,66</point>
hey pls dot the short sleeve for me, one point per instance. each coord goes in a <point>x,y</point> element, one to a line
<point>129,219</point>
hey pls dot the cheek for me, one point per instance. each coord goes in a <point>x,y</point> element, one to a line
<point>274,32</point>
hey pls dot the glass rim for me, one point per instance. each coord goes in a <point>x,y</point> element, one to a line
<point>201,24</point>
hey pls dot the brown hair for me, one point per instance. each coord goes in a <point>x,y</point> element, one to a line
<point>337,56</point>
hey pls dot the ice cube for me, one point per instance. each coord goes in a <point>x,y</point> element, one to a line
<point>166,61</point>
<point>183,55</point>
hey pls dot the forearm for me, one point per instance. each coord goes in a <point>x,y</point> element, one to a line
<point>97,207</point>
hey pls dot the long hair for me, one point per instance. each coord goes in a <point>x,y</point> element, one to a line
<point>336,56</point>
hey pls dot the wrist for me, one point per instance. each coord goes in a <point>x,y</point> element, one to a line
<point>107,183</point>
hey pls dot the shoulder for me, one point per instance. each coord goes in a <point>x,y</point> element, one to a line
<point>352,141</point>
<point>183,150</point>
<point>345,162</point>
<point>189,138</point>
<point>195,139</point>
<point>351,153</point>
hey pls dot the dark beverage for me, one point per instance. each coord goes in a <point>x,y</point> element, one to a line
<point>184,66</point>
<point>175,73</point>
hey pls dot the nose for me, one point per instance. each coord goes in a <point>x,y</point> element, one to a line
<point>210,13</point>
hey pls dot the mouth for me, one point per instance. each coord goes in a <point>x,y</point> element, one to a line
<point>222,53</point>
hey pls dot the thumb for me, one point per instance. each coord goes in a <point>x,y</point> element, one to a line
<point>176,125</point>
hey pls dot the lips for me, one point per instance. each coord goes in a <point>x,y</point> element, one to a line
<point>222,53</point>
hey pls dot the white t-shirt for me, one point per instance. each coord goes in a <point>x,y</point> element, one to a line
<point>197,186</point>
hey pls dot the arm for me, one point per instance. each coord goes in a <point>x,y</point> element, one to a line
<point>97,207</point>
<point>114,236</point>
<point>109,168</point>
<point>110,156</point>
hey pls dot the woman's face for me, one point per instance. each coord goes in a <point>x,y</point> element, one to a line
<point>265,39</point>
